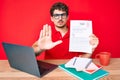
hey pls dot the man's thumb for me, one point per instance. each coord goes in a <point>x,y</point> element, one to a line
<point>57,42</point>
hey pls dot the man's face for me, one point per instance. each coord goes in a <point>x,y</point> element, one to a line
<point>59,18</point>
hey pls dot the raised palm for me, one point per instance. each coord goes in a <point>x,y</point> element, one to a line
<point>45,41</point>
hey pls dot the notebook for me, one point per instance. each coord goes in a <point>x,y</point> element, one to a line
<point>83,75</point>
<point>23,58</point>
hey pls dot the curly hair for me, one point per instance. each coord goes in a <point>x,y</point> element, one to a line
<point>59,6</point>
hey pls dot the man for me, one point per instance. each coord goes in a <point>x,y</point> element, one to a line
<point>55,40</point>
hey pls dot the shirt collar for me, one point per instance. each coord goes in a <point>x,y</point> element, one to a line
<point>55,32</point>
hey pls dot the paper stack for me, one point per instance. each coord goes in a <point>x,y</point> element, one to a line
<point>78,63</point>
<point>84,69</point>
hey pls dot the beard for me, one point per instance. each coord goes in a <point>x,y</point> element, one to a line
<point>61,24</point>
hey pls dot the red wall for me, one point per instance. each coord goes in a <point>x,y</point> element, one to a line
<point>21,21</point>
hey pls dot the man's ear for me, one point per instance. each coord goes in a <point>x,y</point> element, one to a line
<point>51,18</point>
<point>67,17</point>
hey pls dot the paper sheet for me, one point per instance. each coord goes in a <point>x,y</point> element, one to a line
<point>80,30</point>
<point>92,68</point>
<point>78,63</point>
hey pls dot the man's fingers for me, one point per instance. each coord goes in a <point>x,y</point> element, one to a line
<point>94,41</point>
<point>41,34</point>
<point>46,30</point>
<point>49,31</point>
<point>57,42</point>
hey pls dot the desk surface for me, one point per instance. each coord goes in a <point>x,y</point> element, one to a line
<point>8,73</point>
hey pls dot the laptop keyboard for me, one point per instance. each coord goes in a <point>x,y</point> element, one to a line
<point>44,67</point>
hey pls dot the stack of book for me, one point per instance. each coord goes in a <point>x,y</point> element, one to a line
<point>90,70</point>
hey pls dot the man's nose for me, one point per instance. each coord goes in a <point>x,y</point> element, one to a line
<point>60,17</point>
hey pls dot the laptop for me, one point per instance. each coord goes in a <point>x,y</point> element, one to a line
<point>23,58</point>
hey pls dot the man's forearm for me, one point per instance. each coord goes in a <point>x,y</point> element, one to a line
<point>36,49</point>
<point>37,52</point>
<point>86,55</point>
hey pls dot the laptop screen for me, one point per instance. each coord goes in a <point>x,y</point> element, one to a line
<point>23,58</point>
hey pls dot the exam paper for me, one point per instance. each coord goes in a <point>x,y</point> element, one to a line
<point>80,30</point>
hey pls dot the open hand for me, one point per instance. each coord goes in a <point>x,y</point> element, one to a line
<point>45,41</point>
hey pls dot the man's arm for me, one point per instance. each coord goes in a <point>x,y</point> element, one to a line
<point>36,48</point>
<point>44,42</point>
<point>94,41</point>
<point>85,55</point>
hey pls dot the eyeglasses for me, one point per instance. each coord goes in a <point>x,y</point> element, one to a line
<point>57,16</point>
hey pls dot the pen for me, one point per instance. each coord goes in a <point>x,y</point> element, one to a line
<point>74,61</point>
<point>88,64</point>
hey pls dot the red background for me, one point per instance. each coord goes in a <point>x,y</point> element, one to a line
<point>21,21</point>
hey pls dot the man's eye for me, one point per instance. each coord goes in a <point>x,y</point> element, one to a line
<point>57,15</point>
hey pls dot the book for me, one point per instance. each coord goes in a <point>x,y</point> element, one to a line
<point>78,63</point>
<point>83,75</point>
<point>92,68</point>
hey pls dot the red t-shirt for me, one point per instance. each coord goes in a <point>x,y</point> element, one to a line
<point>60,51</point>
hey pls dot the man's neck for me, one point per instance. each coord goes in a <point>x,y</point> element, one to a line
<point>62,30</point>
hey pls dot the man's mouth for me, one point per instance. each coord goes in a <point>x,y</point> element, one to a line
<point>60,21</point>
